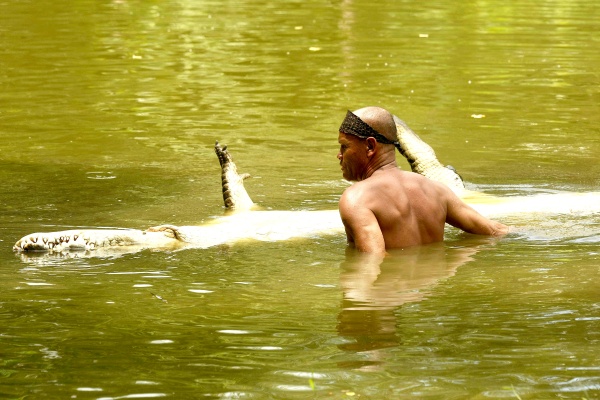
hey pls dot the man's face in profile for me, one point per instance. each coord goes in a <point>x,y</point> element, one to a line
<point>352,159</point>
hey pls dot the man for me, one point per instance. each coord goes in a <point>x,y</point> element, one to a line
<point>389,208</point>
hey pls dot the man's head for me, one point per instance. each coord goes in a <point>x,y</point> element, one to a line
<point>378,121</point>
<point>366,137</point>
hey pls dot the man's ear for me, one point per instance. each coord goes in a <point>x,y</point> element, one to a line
<point>371,144</point>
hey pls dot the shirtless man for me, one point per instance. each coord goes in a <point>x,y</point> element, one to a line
<point>389,208</point>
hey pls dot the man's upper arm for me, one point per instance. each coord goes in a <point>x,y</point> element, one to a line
<point>362,227</point>
<point>462,216</point>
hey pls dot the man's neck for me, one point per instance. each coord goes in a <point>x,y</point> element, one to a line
<point>382,166</point>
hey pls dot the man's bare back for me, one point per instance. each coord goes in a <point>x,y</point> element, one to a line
<point>389,208</point>
<point>403,206</point>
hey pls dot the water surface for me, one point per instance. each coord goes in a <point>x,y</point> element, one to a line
<point>108,114</point>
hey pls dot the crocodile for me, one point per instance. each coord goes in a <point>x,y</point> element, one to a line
<point>244,221</point>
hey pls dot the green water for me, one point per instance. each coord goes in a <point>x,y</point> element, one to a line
<point>108,114</point>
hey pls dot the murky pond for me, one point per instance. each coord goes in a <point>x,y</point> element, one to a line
<point>108,114</point>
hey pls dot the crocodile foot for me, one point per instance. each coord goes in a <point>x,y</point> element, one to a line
<point>170,231</point>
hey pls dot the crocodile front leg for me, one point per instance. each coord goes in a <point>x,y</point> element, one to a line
<point>171,231</point>
<point>234,193</point>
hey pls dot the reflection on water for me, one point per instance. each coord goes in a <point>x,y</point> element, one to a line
<point>374,288</point>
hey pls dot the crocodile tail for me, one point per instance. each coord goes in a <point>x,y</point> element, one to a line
<point>235,196</point>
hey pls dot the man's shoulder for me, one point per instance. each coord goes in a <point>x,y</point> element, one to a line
<point>362,191</point>
<point>358,193</point>
<point>353,191</point>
